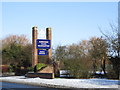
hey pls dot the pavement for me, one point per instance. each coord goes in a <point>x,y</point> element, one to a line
<point>72,84</point>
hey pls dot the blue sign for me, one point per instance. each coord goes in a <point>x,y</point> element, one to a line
<point>43,44</point>
<point>42,52</point>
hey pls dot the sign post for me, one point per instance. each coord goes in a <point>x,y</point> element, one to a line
<point>42,47</point>
<point>49,37</point>
<point>41,44</point>
<point>34,49</point>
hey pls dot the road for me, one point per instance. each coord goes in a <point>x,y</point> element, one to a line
<point>15,86</point>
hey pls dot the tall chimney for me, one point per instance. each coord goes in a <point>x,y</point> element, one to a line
<point>49,37</point>
<point>34,48</point>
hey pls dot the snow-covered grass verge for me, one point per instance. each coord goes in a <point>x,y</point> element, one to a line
<point>64,83</point>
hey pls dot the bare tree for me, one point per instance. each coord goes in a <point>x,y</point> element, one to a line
<point>113,39</point>
<point>16,39</point>
<point>98,52</point>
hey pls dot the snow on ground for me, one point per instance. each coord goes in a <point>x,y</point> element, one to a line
<point>75,83</point>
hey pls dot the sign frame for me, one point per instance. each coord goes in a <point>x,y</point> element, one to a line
<point>45,52</point>
<point>43,44</point>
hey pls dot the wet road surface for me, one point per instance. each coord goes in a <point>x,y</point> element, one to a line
<point>15,86</point>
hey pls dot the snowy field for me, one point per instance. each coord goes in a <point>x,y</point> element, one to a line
<point>70,83</point>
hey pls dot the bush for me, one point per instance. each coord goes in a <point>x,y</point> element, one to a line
<point>12,68</point>
<point>20,70</point>
<point>30,69</point>
<point>111,75</point>
<point>78,68</point>
<point>39,66</point>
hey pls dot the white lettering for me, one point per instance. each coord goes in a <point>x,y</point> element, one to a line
<point>43,41</point>
<point>41,52</point>
<point>43,45</point>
